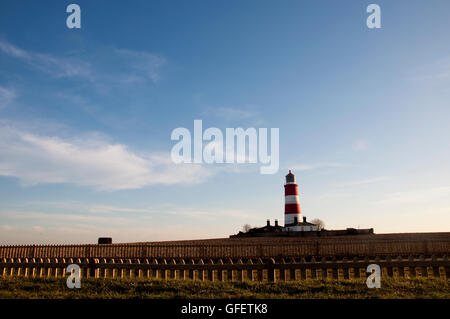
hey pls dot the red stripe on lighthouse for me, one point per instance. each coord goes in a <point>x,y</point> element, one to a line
<point>292,209</point>
<point>290,189</point>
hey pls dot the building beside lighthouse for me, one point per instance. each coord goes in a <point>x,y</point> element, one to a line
<point>293,220</point>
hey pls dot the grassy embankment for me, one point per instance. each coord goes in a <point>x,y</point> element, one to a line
<point>20,287</point>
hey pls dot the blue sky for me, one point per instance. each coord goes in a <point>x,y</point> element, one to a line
<point>86,116</point>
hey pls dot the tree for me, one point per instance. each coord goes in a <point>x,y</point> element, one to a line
<point>246,228</point>
<point>320,224</point>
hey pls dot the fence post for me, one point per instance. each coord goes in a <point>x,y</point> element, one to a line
<point>164,271</point>
<point>41,268</point>
<point>220,271</point>
<point>63,269</point>
<point>193,272</point>
<point>106,271</point>
<point>282,270</point>
<point>201,273</point>
<point>183,273</point>
<point>130,269</point>
<point>239,271</point>
<point>121,268</point>
<point>56,271</point>
<point>271,270</point>
<point>260,270</point>
<point>174,273</point>
<point>11,268</point>
<point>157,271</point>
<point>302,271</point>
<point>446,269</point>
<point>229,271</point>
<point>148,272</point>
<point>140,271</point>
<point>249,271</point>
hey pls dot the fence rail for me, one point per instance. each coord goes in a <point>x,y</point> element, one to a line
<point>242,249</point>
<point>228,270</point>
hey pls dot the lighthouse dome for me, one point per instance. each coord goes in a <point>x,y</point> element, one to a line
<point>290,178</point>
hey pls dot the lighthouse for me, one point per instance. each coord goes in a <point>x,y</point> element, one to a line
<point>291,201</point>
<point>294,223</point>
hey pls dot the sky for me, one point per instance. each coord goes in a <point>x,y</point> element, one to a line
<point>86,116</point>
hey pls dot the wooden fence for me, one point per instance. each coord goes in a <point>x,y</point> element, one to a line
<point>287,249</point>
<point>228,270</point>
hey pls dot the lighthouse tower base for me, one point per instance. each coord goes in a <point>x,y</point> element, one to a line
<point>300,226</point>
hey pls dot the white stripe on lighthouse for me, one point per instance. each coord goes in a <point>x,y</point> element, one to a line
<point>292,199</point>
<point>290,218</point>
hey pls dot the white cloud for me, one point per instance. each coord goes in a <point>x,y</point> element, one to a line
<point>88,161</point>
<point>7,95</point>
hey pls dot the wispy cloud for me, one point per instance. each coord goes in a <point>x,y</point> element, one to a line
<point>320,165</point>
<point>369,181</point>
<point>6,228</point>
<point>7,95</point>
<point>56,66</point>
<point>144,64</point>
<point>234,115</point>
<point>438,70</point>
<point>91,212</point>
<point>360,145</point>
<point>88,161</point>
<point>14,51</point>
<point>50,219</point>
<point>68,206</point>
<point>128,66</point>
<point>423,196</point>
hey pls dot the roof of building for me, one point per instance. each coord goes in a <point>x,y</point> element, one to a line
<point>265,229</point>
<point>301,224</point>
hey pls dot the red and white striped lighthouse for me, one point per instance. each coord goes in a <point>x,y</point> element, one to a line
<point>291,201</point>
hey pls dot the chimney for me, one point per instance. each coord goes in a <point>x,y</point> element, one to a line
<point>304,219</point>
<point>268,222</point>
<point>276,222</point>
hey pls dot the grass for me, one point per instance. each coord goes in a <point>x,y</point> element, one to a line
<point>398,288</point>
